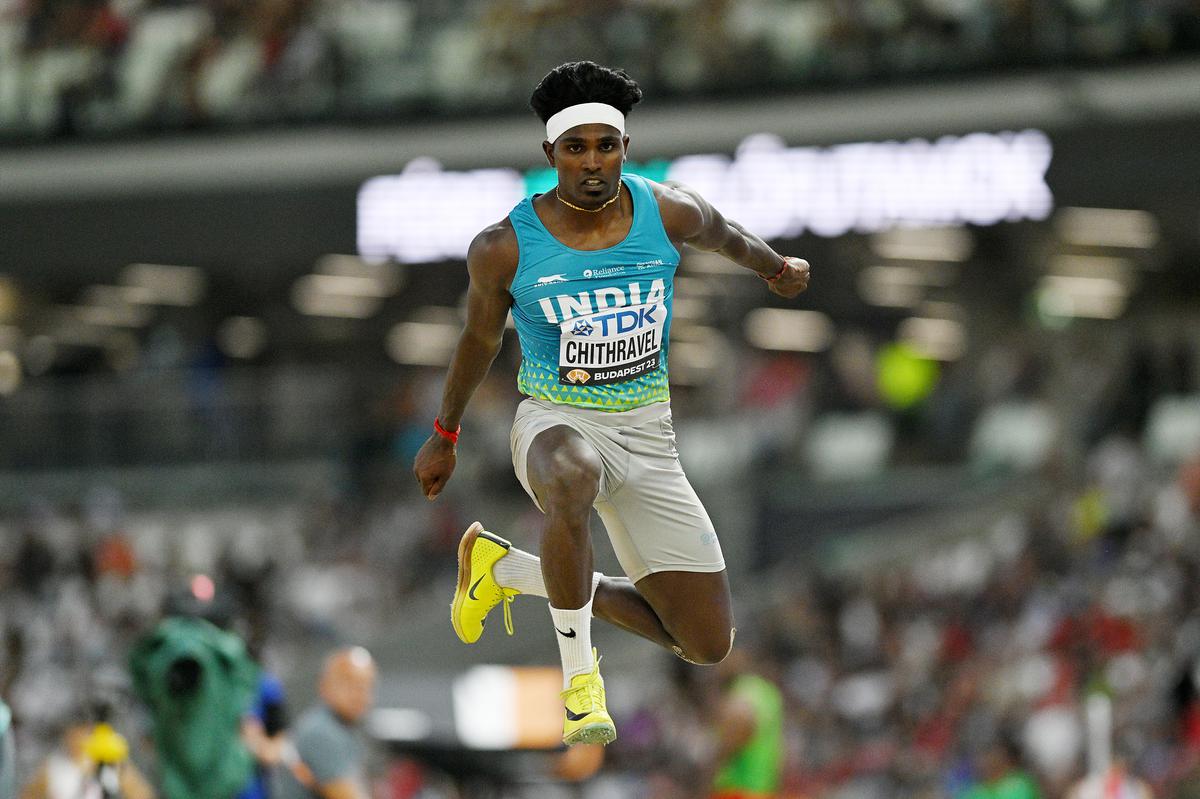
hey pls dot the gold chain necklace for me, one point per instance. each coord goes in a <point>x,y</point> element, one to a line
<point>611,200</point>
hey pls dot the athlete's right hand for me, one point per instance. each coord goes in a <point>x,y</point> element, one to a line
<point>434,464</point>
<point>792,280</point>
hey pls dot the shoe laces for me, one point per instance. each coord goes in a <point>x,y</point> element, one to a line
<point>505,596</point>
<point>590,692</point>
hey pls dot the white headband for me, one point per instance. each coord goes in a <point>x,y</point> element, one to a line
<point>583,114</point>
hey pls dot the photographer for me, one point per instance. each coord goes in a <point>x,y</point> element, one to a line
<point>91,763</point>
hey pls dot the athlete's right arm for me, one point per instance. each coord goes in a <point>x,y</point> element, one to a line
<point>491,264</point>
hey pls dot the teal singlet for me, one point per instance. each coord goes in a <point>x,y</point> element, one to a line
<point>594,324</point>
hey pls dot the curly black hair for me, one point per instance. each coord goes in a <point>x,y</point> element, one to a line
<point>584,82</point>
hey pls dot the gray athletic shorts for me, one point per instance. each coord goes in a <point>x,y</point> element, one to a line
<point>653,516</point>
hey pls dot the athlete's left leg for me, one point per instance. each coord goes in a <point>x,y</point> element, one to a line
<point>695,609</point>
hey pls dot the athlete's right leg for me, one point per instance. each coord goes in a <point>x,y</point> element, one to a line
<point>564,472</point>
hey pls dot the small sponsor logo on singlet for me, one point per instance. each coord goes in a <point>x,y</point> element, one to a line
<point>548,279</point>
<point>579,376</point>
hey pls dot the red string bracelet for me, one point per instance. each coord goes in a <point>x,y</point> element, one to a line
<point>451,436</point>
<point>777,275</point>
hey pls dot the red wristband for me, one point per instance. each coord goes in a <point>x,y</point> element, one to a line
<point>449,435</point>
<point>777,275</point>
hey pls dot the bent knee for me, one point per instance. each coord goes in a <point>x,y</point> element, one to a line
<point>707,650</point>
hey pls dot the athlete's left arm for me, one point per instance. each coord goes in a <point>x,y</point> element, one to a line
<point>690,218</point>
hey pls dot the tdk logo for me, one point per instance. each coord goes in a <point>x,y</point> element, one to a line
<point>548,279</point>
<point>624,321</point>
<point>582,328</point>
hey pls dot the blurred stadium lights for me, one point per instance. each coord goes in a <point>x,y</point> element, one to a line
<point>786,329</point>
<point>164,285</point>
<point>1106,227</point>
<point>497,707</point>
<point>125,306</point>
<point>419,215</point>
<point>1120,270</point>
<point>203,587</point>
<point>924,244</point>
<point>40,352</point>
<point>891,286</point>
<point>1172,432</point>
<point>10,337</point>
<point>694,286</point>
<point>1066,297</point>
<point>423,343</point>
<point>386,275</point>
<point>708,263</point>
<point>399,724</point>
<point>242,337</point>
<point>344,285</point>
<point>121,350</point>
<point>123,315</point>
<point>843,446</point>
<point>9,300</point>
<point>939,339</point>
<point>485,707</point>
<point>441,314</point>
<point>942,310</point>
<point>696,352</point>
<point>10,372</point>
<point>777,191</point>
<point>72,329</point>
<point>336,295</point>
<point>689,308</point>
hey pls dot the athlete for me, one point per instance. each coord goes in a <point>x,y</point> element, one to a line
<point>586,270</point>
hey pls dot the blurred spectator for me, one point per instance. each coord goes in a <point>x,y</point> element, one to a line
<point>1001,775</point>
<point>749,731</point>
<point>263,734</point>
<point>97,66</point>
<point>327,759</point>
<point>1114,783</point>
<point>198,682</point>
<point>91,763</point>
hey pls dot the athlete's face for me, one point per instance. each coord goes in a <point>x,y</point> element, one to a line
<point>588,160</point>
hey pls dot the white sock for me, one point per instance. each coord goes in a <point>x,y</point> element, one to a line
<point>573,629</point>
<point>522,571</point>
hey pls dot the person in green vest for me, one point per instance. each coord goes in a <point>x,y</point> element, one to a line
<point>749,732</point>
<point>198,682</point>
<point>1001,775</point>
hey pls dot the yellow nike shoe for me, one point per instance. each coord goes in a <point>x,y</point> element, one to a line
<point>587,719</point>
<point>478,592</point>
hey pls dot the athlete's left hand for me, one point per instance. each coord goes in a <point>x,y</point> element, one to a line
<point>793,280</point>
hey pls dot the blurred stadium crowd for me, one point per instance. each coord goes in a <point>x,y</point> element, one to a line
<point>99,67</point>
<point>902,678</point>
<point>267,486</point>
<point>904,681</point>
